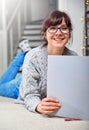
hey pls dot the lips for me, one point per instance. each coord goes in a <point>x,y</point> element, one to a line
<point>58,39</point>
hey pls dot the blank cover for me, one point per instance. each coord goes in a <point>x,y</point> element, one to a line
<point>68,80</point>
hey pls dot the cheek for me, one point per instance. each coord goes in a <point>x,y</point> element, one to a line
<point>47,36</point>
<point>68,37</point>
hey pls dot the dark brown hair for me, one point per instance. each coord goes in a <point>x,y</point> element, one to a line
<point>54,18</point>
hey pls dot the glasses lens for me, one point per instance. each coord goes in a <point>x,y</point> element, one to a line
<point>64,30</point>
<point>52,29</point>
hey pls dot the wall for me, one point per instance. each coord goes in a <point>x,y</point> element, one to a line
<point>38,8</point>
<point>0,36</point>
<point>10,6</point>
<point>3,52</point>
<point>3,45</point>
<point>1,41</point>
<point>13,19</point>
<point>1,15</point>
<point>75,9</point>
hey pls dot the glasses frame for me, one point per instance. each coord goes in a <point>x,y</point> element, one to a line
<point>58,28</point>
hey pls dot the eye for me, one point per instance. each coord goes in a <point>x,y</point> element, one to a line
<point>64,28</point>
<point>53,28</point>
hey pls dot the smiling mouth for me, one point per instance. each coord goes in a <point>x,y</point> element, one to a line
<point>58,39</point>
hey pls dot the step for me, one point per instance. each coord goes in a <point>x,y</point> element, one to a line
<point>28,32</point>
<point>37,21</point>
<point>32,37</point>
<point>35,26</point>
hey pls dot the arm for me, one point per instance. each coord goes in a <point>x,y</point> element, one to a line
<point>30,87</point>
<point>32,93</point>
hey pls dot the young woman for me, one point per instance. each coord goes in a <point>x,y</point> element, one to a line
<point>56,30</point>
<point>9,81</point>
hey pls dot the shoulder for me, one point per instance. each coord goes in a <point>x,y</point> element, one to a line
<point>69,52</point>
<point>36,53</point>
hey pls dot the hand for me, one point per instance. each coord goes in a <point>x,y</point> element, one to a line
<point>48,105</point>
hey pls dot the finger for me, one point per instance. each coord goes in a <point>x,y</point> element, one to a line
<point>49,104</point>
<point>50,99</point>
<point>48,112</point>
<point>51,108</point>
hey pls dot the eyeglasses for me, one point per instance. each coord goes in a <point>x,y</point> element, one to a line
<point>54,29</point>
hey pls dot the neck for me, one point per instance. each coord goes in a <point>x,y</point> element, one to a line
<point>55,51</point>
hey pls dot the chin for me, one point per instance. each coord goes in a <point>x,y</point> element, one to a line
<point>59,45</point>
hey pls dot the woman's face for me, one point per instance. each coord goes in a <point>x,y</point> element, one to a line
<point>58,37</point>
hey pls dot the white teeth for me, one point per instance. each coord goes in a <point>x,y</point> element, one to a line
<point>58,39</point>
